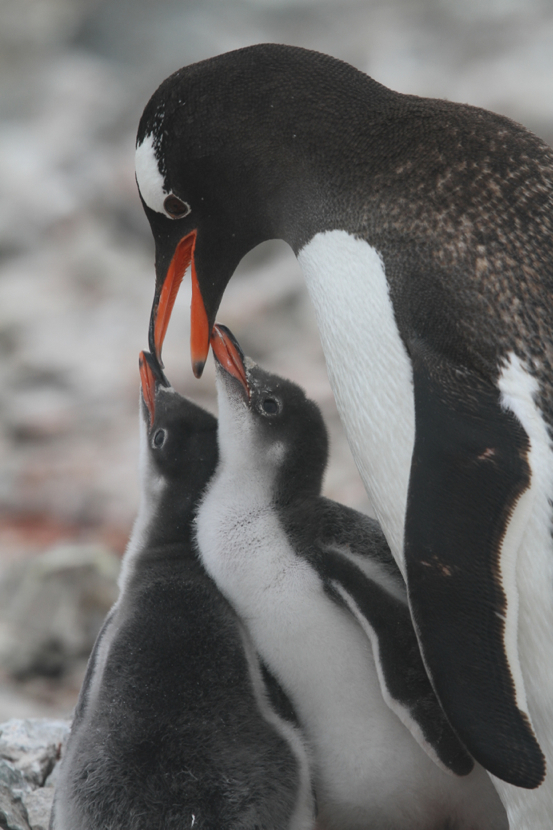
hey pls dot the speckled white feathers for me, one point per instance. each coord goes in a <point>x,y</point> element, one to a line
<point>527,574</point>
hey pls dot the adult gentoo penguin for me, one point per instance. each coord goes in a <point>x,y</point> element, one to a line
<point>423,228</point>
<point>324,603</point>
<point>173,728</point>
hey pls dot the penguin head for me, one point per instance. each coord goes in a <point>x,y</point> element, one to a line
<point>178,442</point>
<point>199,181</point>
<point>267,425</point>
<point>233,151</point>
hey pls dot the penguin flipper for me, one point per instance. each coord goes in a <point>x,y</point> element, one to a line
<point>80,707</point>
<point>342,527</point>
<point>469,474</point>
<point>403,679</point>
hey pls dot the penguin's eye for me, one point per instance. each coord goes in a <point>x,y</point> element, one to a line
<point>159,438</point>
<point>175,207</point>
<point>270,406</point>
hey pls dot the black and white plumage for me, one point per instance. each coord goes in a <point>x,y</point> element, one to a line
<point>325,605</point>
<point>173,728</point>
<point>424,232</point>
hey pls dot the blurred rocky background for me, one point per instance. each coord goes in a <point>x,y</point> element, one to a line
<point>76,268</point>
<point>29,754</point>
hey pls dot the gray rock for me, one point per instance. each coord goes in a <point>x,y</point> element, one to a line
<point>38,804</point>
<point>33,746</point>
<point>13,813</point>
<point>12,777</point>
<point>29,754</point>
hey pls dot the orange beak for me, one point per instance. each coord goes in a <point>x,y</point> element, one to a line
<point>148,381</point>
<point>228,353</point>
<point>161,313</point>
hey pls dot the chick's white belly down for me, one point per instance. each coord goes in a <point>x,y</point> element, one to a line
<point>367,766</point>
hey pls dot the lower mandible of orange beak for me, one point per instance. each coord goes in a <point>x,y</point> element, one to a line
<point>199,327</point>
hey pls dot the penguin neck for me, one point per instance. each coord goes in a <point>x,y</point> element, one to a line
<point>172,519</point>
<point>245,472</point>
<point>163,527</point>
<point>162,532</point>
<point>308,178</point>
<point>263,468</point>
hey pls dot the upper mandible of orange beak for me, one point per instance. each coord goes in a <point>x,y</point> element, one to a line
<point>151,375</point>
<point>162,309</point>
<point>229,354</point>
<point>148,381</point>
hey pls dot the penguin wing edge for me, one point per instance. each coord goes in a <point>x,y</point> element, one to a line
<point>469,476</point>
<point>404,682</point>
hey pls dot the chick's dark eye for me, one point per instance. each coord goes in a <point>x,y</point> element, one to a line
<point>270,406</point>
<point>175,207</point>
<point>159,438</point>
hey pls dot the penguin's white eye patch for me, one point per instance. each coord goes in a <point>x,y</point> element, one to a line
<point>151,182</point>
<point>175,207</point>
<point>148,176</point>
<point>159,438</point>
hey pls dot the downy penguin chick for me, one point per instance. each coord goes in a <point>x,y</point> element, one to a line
<point>325,605</point>
<point>173,728</point>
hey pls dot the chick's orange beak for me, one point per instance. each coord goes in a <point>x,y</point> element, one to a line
<point>148,381</point>
<point>228,354</point>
